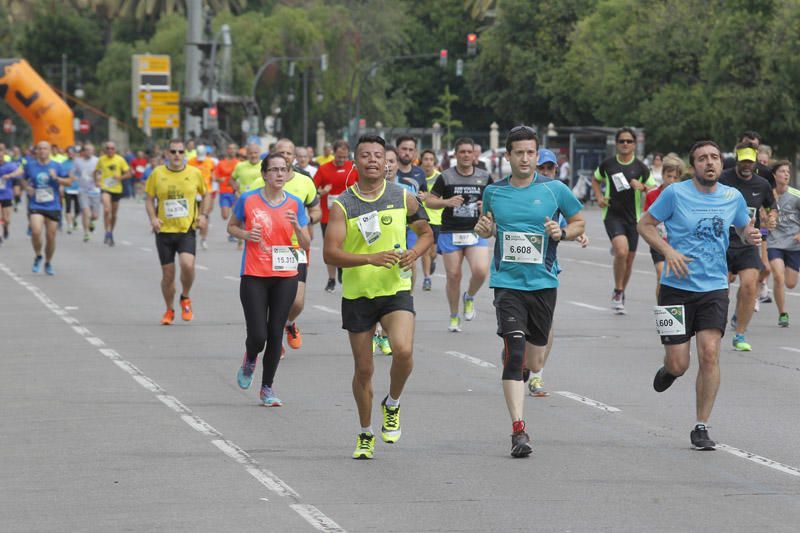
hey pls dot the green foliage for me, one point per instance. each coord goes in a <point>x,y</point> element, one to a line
<point>444,114</point>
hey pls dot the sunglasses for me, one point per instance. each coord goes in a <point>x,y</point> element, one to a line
<point>522,128</point>
<point>625,141</point>
<point>177,151</point>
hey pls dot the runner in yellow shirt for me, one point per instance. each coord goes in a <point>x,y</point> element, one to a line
<point>176,186</point>
<point>111,170</point>
<point>247,172</point>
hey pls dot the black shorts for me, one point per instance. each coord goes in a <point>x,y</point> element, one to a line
<point>71,200</point>
<point>657,257</point>
<point>702,310</point>
<point>528,311</point>
<point>437,229</point>
<point>619,226</point>
<point>302,272</point>
<point>168,244</point>
<point>362,314</point>
<point>115,196</point>
<point>743,258</point>
<point>323,226</point>
<point>6,203</point>
<point>55,216</point>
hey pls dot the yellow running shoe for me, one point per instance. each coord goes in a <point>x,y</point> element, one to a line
<point>365,446</point>
<point>390,431</point>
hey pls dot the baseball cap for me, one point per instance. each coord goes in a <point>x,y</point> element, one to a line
<point>546,156</point>
<point>746,154</point>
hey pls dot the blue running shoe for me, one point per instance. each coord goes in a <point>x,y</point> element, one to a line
<point>245,374</point>
<point>37,264</point>
<point>48,269</point>
<point>268,397</point>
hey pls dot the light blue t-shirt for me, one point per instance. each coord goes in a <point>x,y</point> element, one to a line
<point>524,210</point>
<point>66,168</point>
<point>697,224</point>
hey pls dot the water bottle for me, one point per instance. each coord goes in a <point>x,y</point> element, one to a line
<point>404,274</point>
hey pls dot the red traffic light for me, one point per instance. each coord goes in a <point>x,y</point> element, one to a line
<point>443,57</point>
<point>212,111</point>
<point>472,38</point>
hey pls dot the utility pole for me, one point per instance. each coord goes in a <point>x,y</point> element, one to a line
<point>192,85</point>
<point>305,107</point>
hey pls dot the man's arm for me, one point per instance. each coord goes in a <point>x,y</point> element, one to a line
<point>675,261</point>
<point>150,207</point>
<point>419,226</point>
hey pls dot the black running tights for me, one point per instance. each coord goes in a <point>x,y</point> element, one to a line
<point>266,303</point>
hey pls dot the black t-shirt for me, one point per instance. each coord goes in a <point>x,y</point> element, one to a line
<point>623,201</point>
<point>450,183</point>
<point>757,193</point>
<point>761,170</point>
<point>416,174</point>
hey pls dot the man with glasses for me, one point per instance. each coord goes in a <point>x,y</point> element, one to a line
<point>625,180</point>
<point>111,169</point>
<point>176,186</point>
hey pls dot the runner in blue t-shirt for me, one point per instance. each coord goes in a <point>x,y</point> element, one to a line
<point>8,172</point>
<point>693,299</point>
<point>44,203</point>
<point>523,212</point>
<point>71,208</point>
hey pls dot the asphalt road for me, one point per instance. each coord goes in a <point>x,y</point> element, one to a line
<point>111,422</point>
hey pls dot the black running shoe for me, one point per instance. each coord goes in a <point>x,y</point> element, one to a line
<point>663,380</point>
<point>520,444</point>
<point>700,440</point>
<point>331,286</point>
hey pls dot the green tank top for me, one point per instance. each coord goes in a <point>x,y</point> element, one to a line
<point>373,226</point>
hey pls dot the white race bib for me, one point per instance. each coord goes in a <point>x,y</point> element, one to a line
<point>519,247</point>
<point>302,257</point>
<point>110,183</point>
<point>670,319</point>
<point>176,208</point>
<point>465,239</point>
<point>284,258</point>
<point>751,212</point>
<point>214,186</point>
<point>94,191</point>
<point>332,198</point>
<point>44,195</point>
<point>2,184</point>
<point>370,227</point>
<point>620,182</point>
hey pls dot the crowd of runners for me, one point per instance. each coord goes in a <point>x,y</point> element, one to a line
<point>384,208</point>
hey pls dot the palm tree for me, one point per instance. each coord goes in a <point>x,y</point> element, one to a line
<point>480,9</point>
<point>22,10</point>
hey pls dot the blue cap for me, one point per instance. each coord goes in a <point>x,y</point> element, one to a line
<point>546,156</point>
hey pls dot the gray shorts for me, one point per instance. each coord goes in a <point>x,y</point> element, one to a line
<point>88,201</point>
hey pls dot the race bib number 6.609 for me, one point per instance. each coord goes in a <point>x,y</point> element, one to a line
<point>670,319</point>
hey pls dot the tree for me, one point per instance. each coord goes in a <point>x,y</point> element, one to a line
<point>444,114</point>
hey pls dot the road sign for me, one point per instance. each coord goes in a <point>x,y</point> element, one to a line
<point>8,126</point>
<point>161,121</point>
<point>83,126</point>
<point>161,109</point>
<point>153,63</point>
<point>149,73</point>
<point>159,97</point>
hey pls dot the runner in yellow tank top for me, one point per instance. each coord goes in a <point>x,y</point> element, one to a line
<point>366,238</point>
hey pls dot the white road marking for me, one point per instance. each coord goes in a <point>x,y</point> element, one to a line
<point>763,461</point>
<point>603,265</point>
<point>588,306</point>
<point>269,480</point>
<point>588,401</point>
<point>201,267</point>
<point>326,309</point>
<point>231,278</point>
<point>145,249</point>
<point>126,243</point>
<point>787,348</point>
<point>474,360</point>
<point>439,275</point>
<point>71,308</point>
<point>314,517</point>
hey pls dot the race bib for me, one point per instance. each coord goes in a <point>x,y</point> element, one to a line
<point>176,208</point>
<point>2,184</point>
<point>214,186</point>
<point>620,182</point>
<point>465,239</point>
<point>466,211</point>
<point>670,319</point>
<point>519,247</point>
<point>44,195</point>
<point>284,258</point>
<point>370,227</point>
<point>110,183</point>
<point>302,257</point>
<point>94,191</point>
<point>751,212</point>
<point>332,198</point>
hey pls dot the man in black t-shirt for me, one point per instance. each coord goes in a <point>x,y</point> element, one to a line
<point>459,191</point>
<point>625,180</point>
<point>760,169</point>
<point>744,260</point>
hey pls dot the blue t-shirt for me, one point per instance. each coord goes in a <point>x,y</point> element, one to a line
<point>42,177</point>
<point>697,224</point>
<point>524,210</point>
<point>7,184</point>
<point>414,180</point>
<point>66,168</point>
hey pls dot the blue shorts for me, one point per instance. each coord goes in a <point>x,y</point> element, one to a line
<point>791,258</point>
<point>227,199</point>
<point>445,243</point>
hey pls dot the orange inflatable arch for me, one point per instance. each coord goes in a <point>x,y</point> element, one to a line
<point>33,99</point>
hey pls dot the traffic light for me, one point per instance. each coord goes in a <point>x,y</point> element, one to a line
<point>443,57</point>
<point>210,118</point>
<point>459,67</point>
<point>323,62</point>
<point>472,44</point>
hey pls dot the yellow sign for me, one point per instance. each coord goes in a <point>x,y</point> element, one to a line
<point>160,109</point>
<point>161,121</point>
<point>158,97</point>
<point>153,64</point>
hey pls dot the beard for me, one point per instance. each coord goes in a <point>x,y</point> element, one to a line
<point>706,182</point>
<point>404,162</point>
